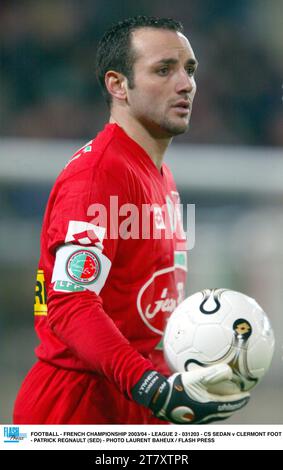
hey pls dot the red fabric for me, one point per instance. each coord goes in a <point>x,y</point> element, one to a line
<point>113,334</point>
<point>79,321</point>
<point>56,396</point>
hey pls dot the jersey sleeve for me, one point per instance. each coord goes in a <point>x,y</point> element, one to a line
<point>85,212</point>
<point>83,234</point>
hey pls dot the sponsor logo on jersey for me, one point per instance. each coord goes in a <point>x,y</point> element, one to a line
<point>83,266</point>
<point>85,233</point>
<point>155,303</point>
<point>40,299</point>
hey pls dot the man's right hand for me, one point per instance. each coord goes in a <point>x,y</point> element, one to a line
<point>183,398</point>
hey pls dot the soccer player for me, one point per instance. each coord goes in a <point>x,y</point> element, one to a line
<point>113,260</point>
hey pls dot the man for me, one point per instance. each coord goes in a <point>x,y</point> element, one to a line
<point>112,279</point>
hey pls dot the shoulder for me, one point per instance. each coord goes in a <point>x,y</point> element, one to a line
<point>103,154</point>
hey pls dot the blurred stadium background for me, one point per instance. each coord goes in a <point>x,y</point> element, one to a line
<point>230,163</point>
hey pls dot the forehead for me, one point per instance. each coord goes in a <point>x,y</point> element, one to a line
<point>152,45</point>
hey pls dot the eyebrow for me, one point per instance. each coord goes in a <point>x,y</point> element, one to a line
<point>171,61</point>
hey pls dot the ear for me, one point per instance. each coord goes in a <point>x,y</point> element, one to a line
<point>116,84</point>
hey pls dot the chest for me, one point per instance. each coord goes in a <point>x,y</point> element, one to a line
<point>151,225</point>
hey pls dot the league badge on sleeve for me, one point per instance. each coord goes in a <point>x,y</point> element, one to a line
<point>78,268</point>
<point>83,266</point>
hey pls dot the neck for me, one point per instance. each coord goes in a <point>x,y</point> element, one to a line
<point>154,147</point>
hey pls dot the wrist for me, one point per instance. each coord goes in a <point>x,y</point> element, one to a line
<point>151,390</point>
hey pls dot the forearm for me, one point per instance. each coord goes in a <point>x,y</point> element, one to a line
<point>80,322</point>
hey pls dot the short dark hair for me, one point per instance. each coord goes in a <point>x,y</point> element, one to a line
<point>114,50</point>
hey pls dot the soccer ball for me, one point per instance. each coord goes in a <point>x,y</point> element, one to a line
<point>220,325</point>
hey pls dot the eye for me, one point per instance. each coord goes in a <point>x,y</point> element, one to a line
<point>163,71</point>
<point>191,71</point>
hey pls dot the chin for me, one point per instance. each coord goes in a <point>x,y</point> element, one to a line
<point>173,129</point>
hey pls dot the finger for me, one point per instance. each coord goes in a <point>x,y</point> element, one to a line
<point>217,373</point>
<point>226,387</point>
<point>207,375</point>
<point>240,398</point>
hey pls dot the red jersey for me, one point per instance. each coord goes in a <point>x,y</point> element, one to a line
<point>113,262</point>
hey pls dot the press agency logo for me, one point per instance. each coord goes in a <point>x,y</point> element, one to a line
<point>12,434</point>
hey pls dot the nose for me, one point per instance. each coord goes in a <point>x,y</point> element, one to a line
<point>185,82</point>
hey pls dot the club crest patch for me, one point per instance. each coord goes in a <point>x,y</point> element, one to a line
<point>83,266</point>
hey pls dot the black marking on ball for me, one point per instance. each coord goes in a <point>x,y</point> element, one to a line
<point>216,294</point>
<point>242,328</point>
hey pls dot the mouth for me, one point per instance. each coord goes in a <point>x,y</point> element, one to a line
<point>182,107</point>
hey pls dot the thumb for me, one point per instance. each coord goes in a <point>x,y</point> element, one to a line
<point>217,373</point>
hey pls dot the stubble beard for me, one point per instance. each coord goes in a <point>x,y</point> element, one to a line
<point>161,126</point>
<point>173,129</point>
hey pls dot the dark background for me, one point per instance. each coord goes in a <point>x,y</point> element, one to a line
<point>50,105</point>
